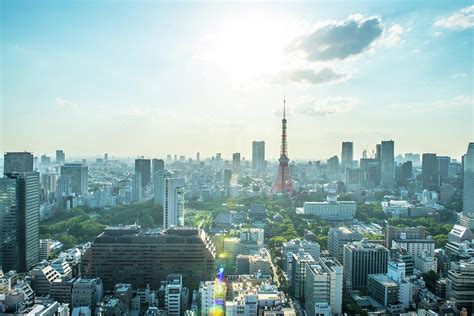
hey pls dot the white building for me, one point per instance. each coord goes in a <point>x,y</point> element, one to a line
<point>206,291</point>
<point>415,247</point>
<point>173,202</point>
<point>331,210</point>
<point>173,290</point>
<point>425,263</point>
<point>396,272</point>
<point>323,285</point>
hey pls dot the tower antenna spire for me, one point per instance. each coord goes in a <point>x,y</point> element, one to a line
<point>284,107</point>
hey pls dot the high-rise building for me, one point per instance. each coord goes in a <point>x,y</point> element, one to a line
<point>323,284</point>
<point>174,287</point>
<point>460,284</point>
<point>173,202</point>
<point>78,176</point>
<point>347,155</point>
<point>19,216</point>
<point>369,172</point>
<point>17,162</point>
<point>338,237</point>
<point>430,172</point>
<point>147,257</point>
<point>158,186</point>
<point>60,156</point>
<point>283,182</point>
<point>298,277</point>
<point>468,182</point>
<point>387,163</point>
<point>362,258</point>
<point>258,156</point>
<point>333,165</point>
<point>236,162</point>
<point>143,167</point>
<point>443,167</point>
<point>158,165</point>
<point>407,171</point>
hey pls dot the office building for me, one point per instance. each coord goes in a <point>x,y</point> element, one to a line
<point>468,185</point>
<point>362,258</point>
<point>387,163</point>
<point>61,290</point>
<point>393,232</point>
<point>206,293</point>
<point>330,210</point>
<point>236,162</point>
<point>173,202</point>
<point>147,257</point>
<point>323,284</point>
<point>407,171</point>
<point>460,284</point>
<point>415,247</point>
<point>338,237</point>
<point>159,186</point>
<point>425,263</point>
<point>43,277</point>
<point>63,188</point>
<point>143,167</point>
<point>258,156</point>
<point>17,162</point>
<point>158,165</point>
<point>78,176</point>
<point>443,167</point>
<point>19,221</point>
<point>174,287</point>
<point>347,155</point>
<point>298,278</point>
<point>60,157</point>
<point>369,172</point>
<point>383,289</point>
<point>87,293</point>
<point>333,165</point>
<point>430,172</point>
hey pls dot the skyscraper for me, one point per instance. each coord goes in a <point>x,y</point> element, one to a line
<point>143,167</point>
<point>468,182</point>
<point>430,171</point>
<point>283,182</point>
<point>17,162</point>
<point>19,216</point>
<point>443,167</point>
<point>362,258</point>
<point>158,165</point>
<point>60,156</point>
<point>78,176</point>
<point>387,163</point>
<point>347,155</point>
<point>258,156</point>
<point>173,202</point>
<point>236,162</point>
<point>158,186</point>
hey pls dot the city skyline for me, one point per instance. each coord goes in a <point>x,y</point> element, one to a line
<point>92,87</point>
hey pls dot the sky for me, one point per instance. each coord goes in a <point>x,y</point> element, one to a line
<point>154,78</point>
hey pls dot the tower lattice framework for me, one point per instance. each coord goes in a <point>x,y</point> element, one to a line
<point>283,182</point>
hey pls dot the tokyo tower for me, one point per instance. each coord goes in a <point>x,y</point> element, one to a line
<point>283,182</point>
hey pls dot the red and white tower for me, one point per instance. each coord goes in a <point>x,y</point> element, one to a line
<point>283,182</point>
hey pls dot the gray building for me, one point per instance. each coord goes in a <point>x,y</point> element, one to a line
<point>362,258</point>
<point>347,155</point>
<point>17,162</point>
<point>60,156</point>
<point>258,156</point>
<point>78,176</point>
<point>143,167</point>
<point>468,182</point>
<point>19,221</point>
<point>430,172</point>
<point>338,237</point>
<point>387,163</point>
<point>87,292</point>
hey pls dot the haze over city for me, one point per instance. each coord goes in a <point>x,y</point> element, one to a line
<point>154,78</point>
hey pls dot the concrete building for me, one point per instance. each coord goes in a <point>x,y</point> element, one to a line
<point>60,157</point>
<point>415,247</point>
<point>324,284</point>
<point>261,263</point>
<point>430,172</point>
<point>143,167</point>
<point>174,287</point>
<point>173,202</point>
<point>460,284</point>
<point>347,155</point>
<point>362,258</point>
<point>78,176</point>
<point>393,232</point>
<point>425,263</point>
<point>159,186</point>
<point>258,156</point>
<point>87,293</point>
<point>330,210</point>
<point>17,162</point>
<point>206,292</point>
<point>383,289</point>
<point>43,277</point>
<point>468,186</point>
<point>149,256</point>
<point>298,276</point>
<point>338,237</point>
<point>19,220</point>
<point>61,290</point>
<point>387,163</point>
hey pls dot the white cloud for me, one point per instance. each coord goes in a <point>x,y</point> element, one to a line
<point>65,104</point>
<point>340,40</point>
<point>457,101</point>
<point>392,36</point>
<point>309,76</point>
<point>325,107</point>
<point>459,20</point>
<point>459,75</point>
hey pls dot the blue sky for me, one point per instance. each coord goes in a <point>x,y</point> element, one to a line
<point>152,78</point>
